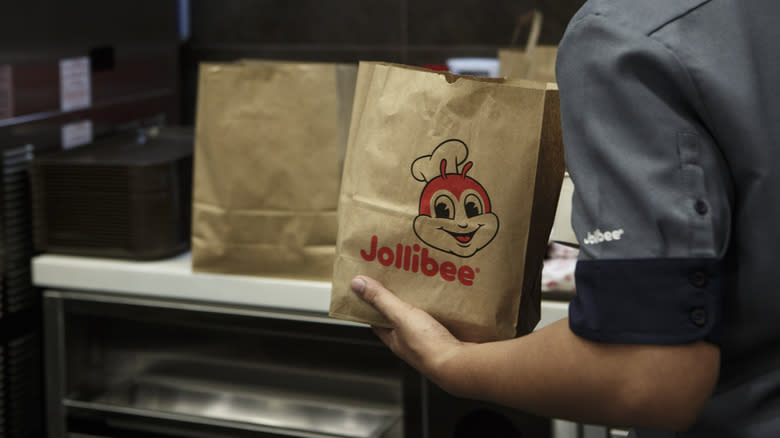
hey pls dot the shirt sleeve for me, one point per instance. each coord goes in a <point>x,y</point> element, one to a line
<point>652,201</point>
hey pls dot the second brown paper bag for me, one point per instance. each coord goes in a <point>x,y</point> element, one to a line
<point>535,62</point>
<point>448,195</point>
<point>270,139</point>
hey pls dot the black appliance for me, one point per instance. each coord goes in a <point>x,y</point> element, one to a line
<point>124,196</point>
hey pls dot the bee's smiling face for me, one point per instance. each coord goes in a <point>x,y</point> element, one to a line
<point>455,216</point>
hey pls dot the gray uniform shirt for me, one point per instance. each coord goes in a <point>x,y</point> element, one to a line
<point>671,119</point>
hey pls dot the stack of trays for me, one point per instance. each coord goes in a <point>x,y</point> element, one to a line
<point>16,249</point>
<point>20,333</point>
<point>21,386</point>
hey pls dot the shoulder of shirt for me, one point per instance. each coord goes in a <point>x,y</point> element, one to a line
<point>641,16</point>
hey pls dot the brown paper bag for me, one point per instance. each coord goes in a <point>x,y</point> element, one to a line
<point>538,64</point>
<point>448,196</point>
<point>269,146</point>
<point>535,62</point>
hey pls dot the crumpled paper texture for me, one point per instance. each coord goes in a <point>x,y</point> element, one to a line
<point>269,146</point>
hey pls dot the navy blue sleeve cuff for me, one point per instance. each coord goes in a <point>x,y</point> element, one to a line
<point>648,301</point>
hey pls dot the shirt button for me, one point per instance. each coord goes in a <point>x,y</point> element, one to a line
<point>701,207</point>
<point>698,279</point>
<point>699,316</point>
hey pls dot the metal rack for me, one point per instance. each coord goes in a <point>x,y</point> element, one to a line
<point>227,346</point>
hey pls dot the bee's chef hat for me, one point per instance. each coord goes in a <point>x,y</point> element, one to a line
<point>428,167</point>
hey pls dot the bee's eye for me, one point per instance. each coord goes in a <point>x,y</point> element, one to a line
<point>443,207</point>
<point>473,205</point>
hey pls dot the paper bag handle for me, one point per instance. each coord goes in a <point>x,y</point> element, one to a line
<point>534,17</point>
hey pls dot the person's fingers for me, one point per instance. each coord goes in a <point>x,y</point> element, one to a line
<point>386,302</point>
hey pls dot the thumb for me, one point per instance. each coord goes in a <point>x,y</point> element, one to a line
<point>384,301</point>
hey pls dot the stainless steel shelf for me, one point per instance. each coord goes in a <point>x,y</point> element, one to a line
<point>270,399</point>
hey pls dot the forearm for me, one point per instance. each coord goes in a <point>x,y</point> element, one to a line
<point>553,372</point>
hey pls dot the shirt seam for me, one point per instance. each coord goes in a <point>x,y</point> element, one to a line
<point>652,36</point>
<point>677,17</point>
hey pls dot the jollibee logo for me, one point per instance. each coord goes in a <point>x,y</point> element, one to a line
<point>455,214</point>
<point>455,217</point>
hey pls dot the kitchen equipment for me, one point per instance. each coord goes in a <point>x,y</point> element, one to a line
<point>124,196</point>
<point>479,67</point>
<point>129,365</point>
<point>157,350</point>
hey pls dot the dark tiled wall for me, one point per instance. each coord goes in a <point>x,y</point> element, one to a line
<point>406,31</point>
<point>41,25</point>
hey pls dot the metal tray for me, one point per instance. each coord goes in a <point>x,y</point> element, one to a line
<point>275,402</point>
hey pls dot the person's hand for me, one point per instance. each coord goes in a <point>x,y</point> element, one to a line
<point>415,336</point>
